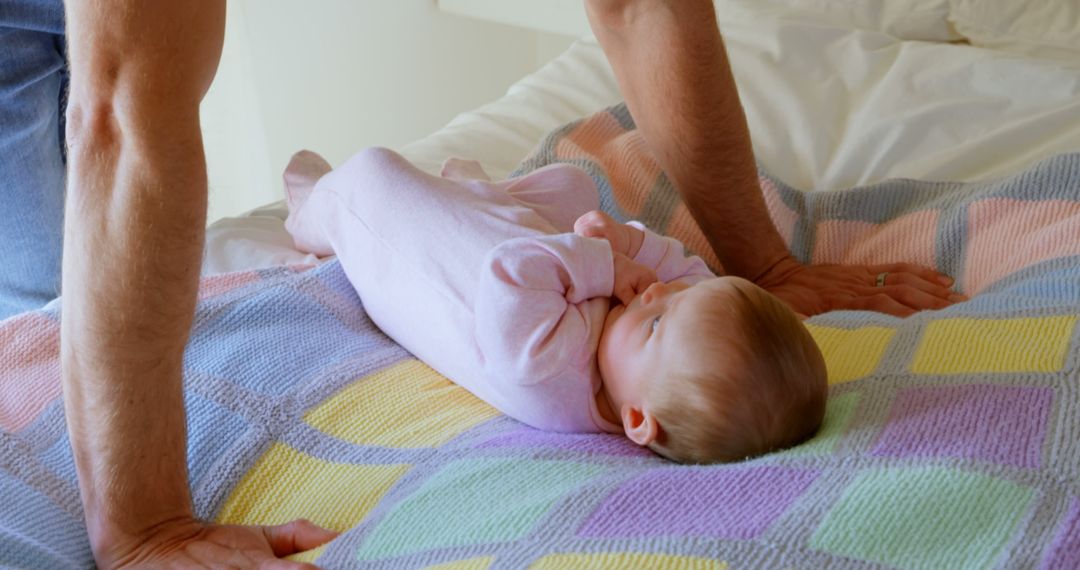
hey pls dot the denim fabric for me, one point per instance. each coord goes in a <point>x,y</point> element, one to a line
<point>33,83</point>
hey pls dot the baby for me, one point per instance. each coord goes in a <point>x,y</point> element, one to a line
<point>523,293</point>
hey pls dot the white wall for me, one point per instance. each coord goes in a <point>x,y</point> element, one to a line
<point>338,75</point>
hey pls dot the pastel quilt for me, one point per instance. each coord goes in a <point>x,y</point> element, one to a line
<point>951,440</point>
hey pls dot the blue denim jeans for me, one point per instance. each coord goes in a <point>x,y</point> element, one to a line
<point>33,85</point>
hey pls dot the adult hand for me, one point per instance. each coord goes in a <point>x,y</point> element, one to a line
<point>623,238</point>
<point>815,289</point>
<point>631,278</point>
<point>191,544</point>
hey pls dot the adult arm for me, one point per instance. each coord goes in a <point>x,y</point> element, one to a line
<point>133,237</point>
<point>673,71</point>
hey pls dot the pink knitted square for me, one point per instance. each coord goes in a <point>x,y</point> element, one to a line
<point>29,368</point>
<point>220,284</point>
<point>684,228</point>
<point>623,155</point>
<point>1008,235</point>
<point>783,218</point>
<point>908,239</point>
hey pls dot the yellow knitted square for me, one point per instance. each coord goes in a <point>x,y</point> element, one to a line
<point>851,354</point>
<point>482,563</point>
<point>309,556</point>
<point>408,405</point>
<point>964,346</point>
<point>287,484</point>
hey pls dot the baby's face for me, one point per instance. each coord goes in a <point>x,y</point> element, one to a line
<point>655,328</point>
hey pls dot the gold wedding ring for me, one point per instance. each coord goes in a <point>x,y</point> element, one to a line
<point>881,279</point>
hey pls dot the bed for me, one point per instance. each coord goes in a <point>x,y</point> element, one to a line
<point>952,439</point>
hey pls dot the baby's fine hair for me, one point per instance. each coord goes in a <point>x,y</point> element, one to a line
<point>764,392</point>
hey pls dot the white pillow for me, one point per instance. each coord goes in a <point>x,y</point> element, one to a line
<point>1040,28</point>
<point>904,19</point>
<point>925,20</point>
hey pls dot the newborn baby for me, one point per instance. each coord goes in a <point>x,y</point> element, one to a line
<point>557,315</point>
<point>724,366</point>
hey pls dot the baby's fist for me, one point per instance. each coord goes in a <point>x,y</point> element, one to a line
<point>631,278</point>
<point>623,238</point>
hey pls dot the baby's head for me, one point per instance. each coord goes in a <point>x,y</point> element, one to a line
<point>718,371</point>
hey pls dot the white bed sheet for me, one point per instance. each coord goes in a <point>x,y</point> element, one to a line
<point>828,108</point>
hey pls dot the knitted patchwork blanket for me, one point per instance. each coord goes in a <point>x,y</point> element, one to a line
<point>951,438</point>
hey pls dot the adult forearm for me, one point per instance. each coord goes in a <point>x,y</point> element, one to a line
<point>673,71</point>
<point>132,250</point>
<point>133,237</point>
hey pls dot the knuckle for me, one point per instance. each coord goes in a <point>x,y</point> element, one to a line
<point>899,292</point>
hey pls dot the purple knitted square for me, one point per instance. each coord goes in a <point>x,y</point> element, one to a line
<point>997,424</point>
<point>719,502</point>
<point>1065,552</point>
<point>599,444</point>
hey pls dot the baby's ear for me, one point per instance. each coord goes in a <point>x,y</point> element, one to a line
<point>640,425</point>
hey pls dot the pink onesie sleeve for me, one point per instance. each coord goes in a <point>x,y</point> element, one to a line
<point>531,321</point>
<point>667,256</point>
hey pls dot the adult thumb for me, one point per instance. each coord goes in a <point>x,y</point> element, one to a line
<point>296,536</point>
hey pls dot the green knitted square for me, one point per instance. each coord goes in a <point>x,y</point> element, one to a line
<point>838,414</point>
<point>929,517</point>
<point>475,502</point>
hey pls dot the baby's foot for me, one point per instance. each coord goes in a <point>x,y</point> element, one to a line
<point>462,169</point>
<point>304,171</point>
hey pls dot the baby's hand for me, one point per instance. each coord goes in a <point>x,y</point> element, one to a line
<point>631,278</point>
<point>624,239</point>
